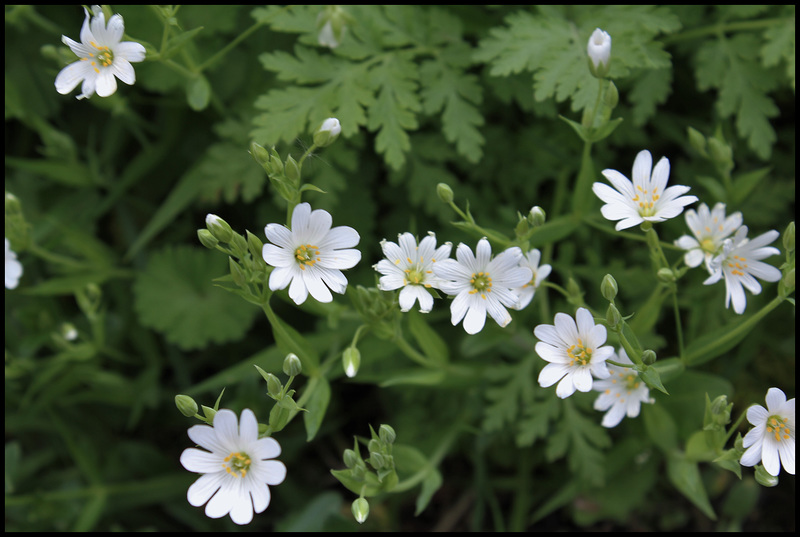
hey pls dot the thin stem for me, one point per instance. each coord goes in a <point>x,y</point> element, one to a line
<point>678,327</point>
<point>410,351</point>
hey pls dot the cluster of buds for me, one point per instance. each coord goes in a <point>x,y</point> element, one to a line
<point>374,475</point>
<point>285,406</point>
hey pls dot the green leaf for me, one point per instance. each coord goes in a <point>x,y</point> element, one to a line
<point>428,339</point>
<point>660,427</point>
<point>685,476</point>
<point>316,405</point>
<point>198,93</point>
<point>174,295</point>
<point>731,66</point>
<point>290,340</point>
<point>744,184</point>
<point>430,485</point>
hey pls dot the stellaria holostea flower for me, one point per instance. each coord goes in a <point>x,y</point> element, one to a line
<point>710,229</point>
<point>771,441</point>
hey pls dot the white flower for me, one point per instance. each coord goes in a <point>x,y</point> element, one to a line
<point>771,441</point>
<point>310,256</point>
<point>599,51</point>
<point>411,267</point>
<point>622,393</point>
<point>102,57</point>
<point>236,468</point>
<point>526,292</point>
<point>328,132</point>
<point>710,229</point>
<point>481,284</point>
<point>574,352</point>
<point>740,263</point>
<point>13,267</point>
<point>646,198</point>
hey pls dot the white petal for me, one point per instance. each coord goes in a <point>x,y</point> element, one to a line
<point>340,237</point>
<point>223,501</point>
<point>339,259</point>
<point>770,457</point>
<point>751,456</point>
<point>261,497</point>
<point>201,490</point>
<point>775,399</point>
<point>298,291</point>
<point>566,329</point>
<point>271,472</point>
<point>552,373</point>
<point>642,165</point>
<point>316,287</point>
<point>242,508</point>
<point>123,70</point>
<point>458,307</point>
<point>475,318</point>
<point>566,387</point>
<point>72,75</point>
<point>130,50</point>
<point>786,450</point>
<point>582,379</point>
<point>614,416</point>
<point>550,353</point>
<point>106,84</point>
<point>282,276</point>
<point>202,462</point>
<point>279,235</point>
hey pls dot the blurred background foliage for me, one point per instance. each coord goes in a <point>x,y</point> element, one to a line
<point>113,191</point>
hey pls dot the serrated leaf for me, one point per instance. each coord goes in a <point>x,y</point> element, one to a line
<point>174,295</point>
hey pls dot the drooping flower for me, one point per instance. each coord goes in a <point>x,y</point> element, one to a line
<point>481,284</point>
<point>410,267</point>
<point>103,56</point>
<point>310,257</point>
<point>599,50</point>
<point>526,292</point>
<point>740,263</point>
<point>647,198</point>
<point>771,440</point>
<point>622,393</point>
<point>573,348</point>
<point>710,229</point>
<point>13,267</point>
<point>237,467</point>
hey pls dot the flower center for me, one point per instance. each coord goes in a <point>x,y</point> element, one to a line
<point>777,426</point>
<point>646,201</point>
<point>708,245</point>
<point>104,57</point>
<point>416,276</point>
<point>237,464</point>
<point>306,255</point>
<point>481,283</point>
<point>737,264</point>
<point>579,354</point>
<point>631,382</point>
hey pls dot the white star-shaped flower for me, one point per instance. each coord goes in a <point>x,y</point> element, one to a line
<point>310,256</point>
<point>237,467</point>
<point>771,440</point>
<point>410,267</point>
<point>622,393</point>
<point>710,229</point>
<point>647,198</point>
<point>526,292</point>
<point>740,263</point>
<point>482,284</point>
<point>13,267</point>
<point>575,352</point>
<point>103,56</point>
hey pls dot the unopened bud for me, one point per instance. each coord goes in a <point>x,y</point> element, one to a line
<point>444,192</point>
<point>788,238</point>
<point>536,216</point>
<point>613,317</point>
<point>609,287</point>
<point>274,386</point>
<point>350,458</point>
<point>387,434</point>
<point>648,357</point>
<point>599,51</point>
<point>260,154</point>
<point>360,510</point>
<point>292,365</point>
<point>186,405</point>
<point>219,228</point>
<point>237,273</point>
<point>292,170</point>
<point>351,360</point>
<point>207,239</point>
<point>764,478</point>
<point>665,275</point>
<point>328,132</point>
<point>697,140</point>
<point>611,97</point>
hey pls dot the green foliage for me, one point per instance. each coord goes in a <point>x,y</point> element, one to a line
<point>119,309</point>
<point>173,295</point>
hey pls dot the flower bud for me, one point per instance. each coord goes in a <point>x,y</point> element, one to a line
<point>609,287</point>
<point>254,246</point>
<point>613,317</point>
<point>69,332</point>
<point>376,460</point>
<point>648,357</point>
<point>186,405</point>
<point>444,192</point>
<point>788,238</point>
<point>536,216</point>
<point>219,228</point>
<point>292,170</point>
<point>292,365</point>
<point>721,153</point>
<point>360,510</point>
<point>665,275</point>
<point>387,434</point>
<point>350,458</point>
<point>260,155</point>
<point>332,26</point>
<point>327,133</point>
<point>274,386</point>
<point>237,273</point>
<point>764,478</point>
<point>599,51</point>
<point>697,141</point>
<point>207,239</point>
<point>351,360</point>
